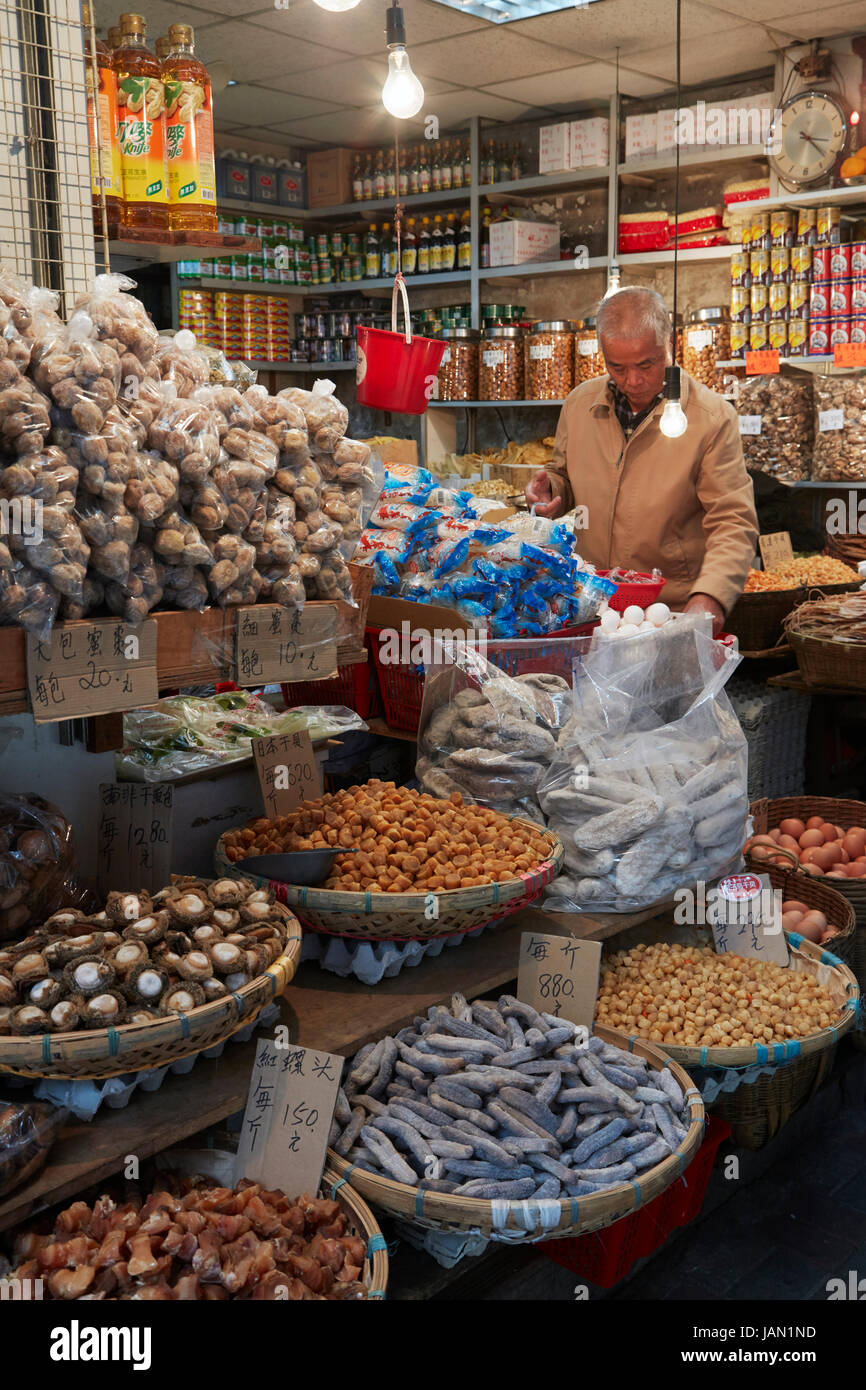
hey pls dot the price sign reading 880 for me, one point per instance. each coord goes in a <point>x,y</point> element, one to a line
<point>559,975</point>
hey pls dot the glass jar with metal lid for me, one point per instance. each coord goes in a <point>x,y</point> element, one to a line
<point>500,368</point>
<point>706,341</point>
<point>588,357</point>
<point>549,360</point>
<point>458,371</point>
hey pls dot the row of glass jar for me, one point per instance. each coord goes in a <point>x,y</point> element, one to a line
<point>508,363</point>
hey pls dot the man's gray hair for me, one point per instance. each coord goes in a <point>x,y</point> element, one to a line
<point>634,311</point>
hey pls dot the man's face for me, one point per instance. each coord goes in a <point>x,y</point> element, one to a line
<point>637,366</point>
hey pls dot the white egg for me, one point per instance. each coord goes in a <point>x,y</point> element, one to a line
<point>633,614</point>
<point>647,626</point>
<point>658,614</point>
<point>627,630</point>
<point>609,620</point>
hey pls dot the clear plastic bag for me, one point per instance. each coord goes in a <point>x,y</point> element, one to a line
<point>280,419</point>
<point>485,734</point>
<point>142,590</point>
<point>181,363</point>
<point>37,863</point>
<point>121,320</point>
<point>327,418</point>
<point>648,789</point>
<point>27,1131</point>
<point>193,734</point>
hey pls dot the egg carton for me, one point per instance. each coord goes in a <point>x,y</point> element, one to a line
<point>86,1098</point>
<point>372,961</point>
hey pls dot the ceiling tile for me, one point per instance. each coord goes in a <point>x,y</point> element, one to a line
<point>709,59</point>
<point>452,108</point>
<point>358,82</point>
<point>764,10</point>
<point>362,31</point>
<point>818,22</point>
<point>159,14</point>
<point>590,81</point>
<point>351,127</point>
<point>247,104</point>
<point>597,30</point>
<point>255,55</point>
<point>498,53</point>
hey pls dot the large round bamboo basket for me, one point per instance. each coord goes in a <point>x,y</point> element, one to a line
<point>406,916</point>
<point>362,1223</point>
<point>526,1221</point>
<point>768,813</point>
<point>757,619</point>
<point>97,1053</point>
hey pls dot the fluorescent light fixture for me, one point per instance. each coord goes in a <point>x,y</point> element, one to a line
<point>498,12</point>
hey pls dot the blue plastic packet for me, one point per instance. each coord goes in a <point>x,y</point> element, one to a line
<point>468,586</point>
<point>446,556</point>
<point>386,568</point>
<point>404,482</point>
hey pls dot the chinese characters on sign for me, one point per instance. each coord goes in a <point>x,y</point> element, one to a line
<point>559,975</point>
<point>288,1117</point>
<point>287,770</point>
<point>83,669</point>
<point>133,838</point>
<point>775,549</point>
<point>281,644</point>
<point>745,913</point>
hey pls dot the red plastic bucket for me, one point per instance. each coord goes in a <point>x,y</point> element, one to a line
<point>395,371</point>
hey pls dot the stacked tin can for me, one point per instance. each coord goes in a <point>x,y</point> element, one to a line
<point>325,336</point>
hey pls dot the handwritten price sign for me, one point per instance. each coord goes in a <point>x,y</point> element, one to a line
<point>282,644</point>
<point>288,1116</point>
<point>849,355</point>
<point>559,975</point>
<point>133,837</point>
<point>84,669</point>
<point>287,770</point>
<point>764,362</point>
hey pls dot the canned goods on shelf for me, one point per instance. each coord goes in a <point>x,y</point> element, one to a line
<point>807,226</point>
<point>739,339</point>
<point>858,294</point>
<point>740,268</point>
<point>798,299</point>
<point>777,336</point>
<point>840,331</point>
<point>782,227</point>
<point>840,262</point>
<point>840,299</point>
<point>858,328</point>
<point>780,263</point>
<point>761,231</point>
<point>798,337</point>
<point>740,304</point>
<point>759,334</point>
<point>759,266</point>
<point>759,301</point>
<point>779,301</point>
<point>827,226</point>
<point>801,263</point>
<point>819,299</point>
<point>858,258</point>
<point>819,336</point>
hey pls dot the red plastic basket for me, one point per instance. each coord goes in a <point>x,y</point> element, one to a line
<point>642,591</point>
<point>353,686</point>
<point>400,687</point>
<point>605,1257</point>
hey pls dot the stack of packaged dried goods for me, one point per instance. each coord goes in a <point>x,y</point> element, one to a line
<point>840,428</point>
<point>776,425</point>
<point>37,858</point>
<point>157,487</point>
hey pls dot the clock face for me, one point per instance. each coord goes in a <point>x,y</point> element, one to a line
<point>807,138</point>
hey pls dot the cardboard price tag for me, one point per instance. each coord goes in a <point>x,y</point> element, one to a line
<point>84,669</point>
<point>559,975</point>
<point>849,354</point>
<point>287,770</point>
<point>281,644</point>
<point>133,837</point>
<point>776,549</point>
<point>290,1106</point>
<point>745,913</point>
<point>763,362</point>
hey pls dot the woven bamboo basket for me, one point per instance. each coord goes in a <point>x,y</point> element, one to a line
<point>757,619</point>
<point>519,1221</point>
<point>837,664</point>
<point>97,1053</point>
<point>403,916</point>
<point>758,1110</point>
<point>817,893</point>
<point>848,547</point>
<point>768,814</point>
<point>362,1223</point>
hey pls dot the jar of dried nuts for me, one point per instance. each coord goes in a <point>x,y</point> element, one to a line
<point>458,372</point>
<point>500,369</point>
<point>550,360</point>
<point>707,340</point>
<point>588,358</point>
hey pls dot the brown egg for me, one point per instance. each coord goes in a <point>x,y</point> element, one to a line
<point>854,842</point>
<point>856,869</point>
<point>838,872</point>
<point>812,926</point>
<point>765,840</point>
<point>783,861</point>
<point>794,905</point>
<point>833,851</point>
<point>761,854</point>
<point>817,854</point>
<point>845,857</point>
<point>788,842</point>
<point>814,822</point>
<point>792,827</point>
<point>810,839</point>
<point>790,920</point>
<point>812,870</point>
<point>829,832</point>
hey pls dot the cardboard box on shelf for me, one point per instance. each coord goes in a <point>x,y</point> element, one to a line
<point>554,148</point>
<point>392,450</point>
<point>640,135</point>
<point>515,242</point>
<point>666,128</point>
<point>329,177</point>
<point>590,143</point>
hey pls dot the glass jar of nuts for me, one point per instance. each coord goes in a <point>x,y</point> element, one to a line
<point>588,358</point>
<point>458,372</point>
<point>550,360</point>
<point>500,369</point>
<point>706,341</point>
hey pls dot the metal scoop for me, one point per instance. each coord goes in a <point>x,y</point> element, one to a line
<point>302,867</point>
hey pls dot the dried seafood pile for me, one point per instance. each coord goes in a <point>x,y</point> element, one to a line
<point>840,618</point>
<point>141,958</point>
<point>193,1240</point>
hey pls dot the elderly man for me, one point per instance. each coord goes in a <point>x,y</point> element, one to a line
<point>684,506</point>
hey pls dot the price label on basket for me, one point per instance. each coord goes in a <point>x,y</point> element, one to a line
<point>287,770</point>
<point>290,1106</point>
<point>284,644</point>
<point>133,836</point>
<point>83,669</point>
<point>763,362</point>
<point>559,975</point>
<point>849,354</point>
<point>745,914</point>
<point>776,549</point>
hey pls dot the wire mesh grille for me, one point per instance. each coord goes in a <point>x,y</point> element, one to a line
<point>46,211</point>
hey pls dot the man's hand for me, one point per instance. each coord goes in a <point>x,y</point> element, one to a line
<point>702,603</point>
<point>539,494</point>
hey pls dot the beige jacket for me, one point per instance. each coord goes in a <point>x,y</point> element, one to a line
<point>684,506</point>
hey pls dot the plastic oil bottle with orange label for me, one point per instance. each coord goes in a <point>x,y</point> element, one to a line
<point>141,128</point>
<point>101,84</point>
<point>189,126</point>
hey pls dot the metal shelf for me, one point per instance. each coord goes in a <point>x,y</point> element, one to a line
<point>544,183</point>
<point>828,196</point>
<point>695,161</point>
<point>529,268</point>
<point>497,405</point>
<point>324,368</point>
<point>336,287</point>
<point>698,253</point>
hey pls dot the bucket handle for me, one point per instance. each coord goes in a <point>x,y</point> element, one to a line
<point>400,283</point>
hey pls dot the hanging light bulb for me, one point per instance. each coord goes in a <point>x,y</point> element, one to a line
<point>673,422</point>
<point>402,94</point>
<point>613,284</point>
<point>336,6</point>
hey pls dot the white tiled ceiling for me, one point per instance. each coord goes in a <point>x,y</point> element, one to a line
<point>307,76</point>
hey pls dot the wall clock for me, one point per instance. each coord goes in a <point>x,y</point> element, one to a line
<point>806,138</point>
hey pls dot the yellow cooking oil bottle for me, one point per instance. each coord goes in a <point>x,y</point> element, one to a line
<point>141,128</point>
<point>101,84</point>
<point>189,127</point>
